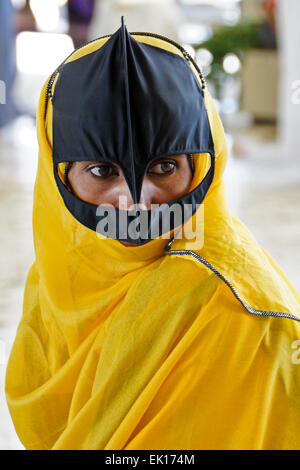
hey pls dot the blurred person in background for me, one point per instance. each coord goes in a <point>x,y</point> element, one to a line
<point>24,18</point>
<point>268,27</point>
<point>8,110</point>
<point>270,6</point>
<point>80,13</point>
<point>155,16</point>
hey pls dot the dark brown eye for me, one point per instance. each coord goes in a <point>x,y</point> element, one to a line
<point>163,168</point>
<point>102,171</point>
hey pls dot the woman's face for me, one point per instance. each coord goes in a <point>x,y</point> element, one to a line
<point>98,183</point>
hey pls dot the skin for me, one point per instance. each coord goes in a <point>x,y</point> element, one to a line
<point>166,179</point>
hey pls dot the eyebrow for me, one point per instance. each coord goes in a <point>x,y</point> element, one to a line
<point>116,164</point>
<point>169,156</point>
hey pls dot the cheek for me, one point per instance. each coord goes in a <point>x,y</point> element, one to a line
<point>184,179</point>
<point>78,182</point>
<point>178,184</point>
<point>83,186</point>
<point>160,190</point>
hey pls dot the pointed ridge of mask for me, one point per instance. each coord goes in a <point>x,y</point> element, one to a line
<point>124,34</point>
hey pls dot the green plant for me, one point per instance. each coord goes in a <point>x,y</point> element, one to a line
<point>235,39</point>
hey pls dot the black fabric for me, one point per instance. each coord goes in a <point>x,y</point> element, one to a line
<point>128,103</point>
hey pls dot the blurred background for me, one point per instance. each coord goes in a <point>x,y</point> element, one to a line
<point>248,52</point>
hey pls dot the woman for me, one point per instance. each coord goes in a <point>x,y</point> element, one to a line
<point>180,341</point>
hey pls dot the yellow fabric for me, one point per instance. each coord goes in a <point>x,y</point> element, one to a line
<point>130,348</point>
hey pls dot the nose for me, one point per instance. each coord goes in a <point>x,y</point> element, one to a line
<point>148,196</point>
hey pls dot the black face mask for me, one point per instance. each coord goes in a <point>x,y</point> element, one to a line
<point>128,103</point>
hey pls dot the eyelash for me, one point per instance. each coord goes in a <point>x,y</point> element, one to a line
<point>164,161</point>
<point>117,174</point>
<point>99,166</point>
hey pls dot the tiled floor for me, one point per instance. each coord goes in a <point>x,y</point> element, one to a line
<point>269,197</point>
<point>263,191</point>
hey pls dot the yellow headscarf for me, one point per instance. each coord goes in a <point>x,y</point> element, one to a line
<point>153,346</point>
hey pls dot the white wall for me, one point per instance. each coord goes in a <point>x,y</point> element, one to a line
<point>289,43</point>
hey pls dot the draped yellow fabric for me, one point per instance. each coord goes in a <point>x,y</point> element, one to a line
<point>131,348</point>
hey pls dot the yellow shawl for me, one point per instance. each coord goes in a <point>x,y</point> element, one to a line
<point>153,347</point>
